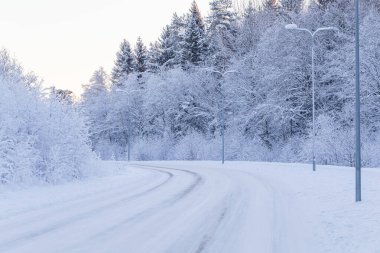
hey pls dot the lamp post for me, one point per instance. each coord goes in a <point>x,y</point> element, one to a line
<point>222,116</point>
<point>312,34</point>
<point>358,162</point>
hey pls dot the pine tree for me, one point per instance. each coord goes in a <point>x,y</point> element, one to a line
<point>177,33</point>
<point>292,5</point>
<point>324,3</point>
<point>97,85</point>
<point>154,62</point>
<point>167,48</point>
<point>222,32</point>
<point>140,54</point>
<point>193,48</point>
<point>249,32</point>
<point>123,64</point>
<point>196,15</point>
<point>271,5</point>
<point>222,15</point>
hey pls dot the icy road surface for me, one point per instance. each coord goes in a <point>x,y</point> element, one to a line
<point>180,207</point>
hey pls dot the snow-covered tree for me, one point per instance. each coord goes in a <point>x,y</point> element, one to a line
<point>222,32</point>
<point>95,107</point>
<point>140,54</point>
<point>42,137</point>
<point>292,5</point>
<point>167,43</point>
<point>124,64</point>
<point>194,43</point>
<point>154,62</point>
<point>266,99</point>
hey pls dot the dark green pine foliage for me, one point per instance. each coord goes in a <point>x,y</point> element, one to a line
<point>140,58</point>
<point>194,44</point>
<point>123,65</point>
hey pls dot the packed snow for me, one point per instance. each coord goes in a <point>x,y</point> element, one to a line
<point>197,207</point>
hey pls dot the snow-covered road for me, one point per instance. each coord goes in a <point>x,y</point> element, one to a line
<point>179,207</point>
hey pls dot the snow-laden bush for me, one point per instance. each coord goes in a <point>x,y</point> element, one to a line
<point>197,147</point>
<point>42,138</point>
<point>334,144</point>
<point>153,149</point>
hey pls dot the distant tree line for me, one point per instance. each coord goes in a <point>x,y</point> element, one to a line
<point>243,72</point>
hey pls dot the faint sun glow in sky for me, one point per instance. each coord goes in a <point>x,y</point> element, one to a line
<point>64,42</point>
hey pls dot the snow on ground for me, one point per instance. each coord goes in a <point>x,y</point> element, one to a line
<point>179,207</point>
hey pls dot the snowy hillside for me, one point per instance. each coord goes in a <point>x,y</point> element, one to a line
<point>193,207</point>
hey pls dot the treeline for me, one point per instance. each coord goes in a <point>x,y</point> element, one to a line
<point>42,136</point>
<point>245,74</point>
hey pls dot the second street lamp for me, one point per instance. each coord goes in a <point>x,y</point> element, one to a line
<point>312,34</point>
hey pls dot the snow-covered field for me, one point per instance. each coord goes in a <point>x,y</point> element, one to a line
<point>178,207</point>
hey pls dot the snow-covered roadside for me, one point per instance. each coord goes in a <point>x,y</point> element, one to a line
<point>197,207</point>
<point>323,201</point>
<point>25,197</point>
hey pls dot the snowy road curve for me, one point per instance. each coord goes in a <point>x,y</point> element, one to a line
<point>169,208</point>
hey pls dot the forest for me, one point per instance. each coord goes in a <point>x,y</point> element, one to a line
<point>236,72</point>
<point>243,73</point>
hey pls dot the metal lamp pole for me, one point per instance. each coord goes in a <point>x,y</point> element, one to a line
<point>312,34</point>
<point>357,106</point>
<point>222,116</point>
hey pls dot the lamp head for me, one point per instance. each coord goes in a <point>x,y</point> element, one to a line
<point>291,26</point>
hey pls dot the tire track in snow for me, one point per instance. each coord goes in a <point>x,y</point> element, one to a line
<point>151,210</point>
<point>207,238</point>
<point>82,199</point>
<point>275,210</point>
<point>84,215</point>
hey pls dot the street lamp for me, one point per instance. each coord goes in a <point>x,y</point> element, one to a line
<point>312,34</point>
<point>223,120</point>
<point>358,162</point>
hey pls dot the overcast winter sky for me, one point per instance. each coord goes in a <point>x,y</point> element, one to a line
<point>65,41</point>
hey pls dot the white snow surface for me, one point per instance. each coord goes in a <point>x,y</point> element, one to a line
<point>180,207</point>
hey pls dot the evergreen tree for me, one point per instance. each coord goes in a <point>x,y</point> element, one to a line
<point>140,57</point>
<point>222,15</point>
<point>154,57</point>
<point>97,86</point>
<point>193,48</point>
<point>249,32</point>
<point>222,32</point>
<point>123,64</point>
<point>167,48</point>
<point>292,5</point>
<point>177,32</point>
<point>196,15</point>
<point>324,3</point>
<point>271,5</point>
<point>64,96</point>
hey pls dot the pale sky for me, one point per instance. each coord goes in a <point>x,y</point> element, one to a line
<point>65,41</point>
